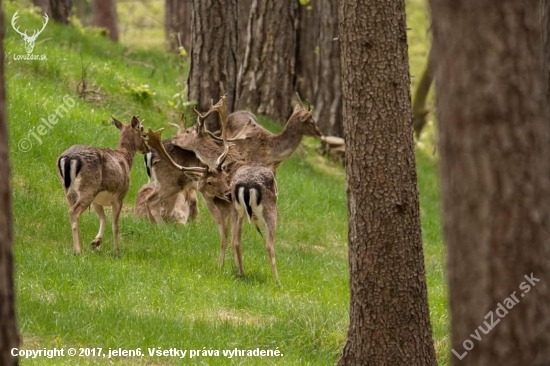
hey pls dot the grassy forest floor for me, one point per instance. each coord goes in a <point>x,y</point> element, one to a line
<point>164,289</point>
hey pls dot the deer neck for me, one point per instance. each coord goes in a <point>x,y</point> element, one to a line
<point>284,144</point>
<point>127,147</point>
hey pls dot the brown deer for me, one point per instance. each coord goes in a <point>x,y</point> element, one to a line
<point>177,208</point>
<point>252,191</point>
<point>208,180</point>
<point>100,177</point>
<point>170,183</point>
<point>254,196</point>
<point>252,141</point>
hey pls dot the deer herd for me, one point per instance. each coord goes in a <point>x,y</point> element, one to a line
<point>234,171</point>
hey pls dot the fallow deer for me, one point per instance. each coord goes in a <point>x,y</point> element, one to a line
<point>208,179</point>
<point>100,177</point>
<point>252,192</point>
<point>169,183</point>
<point>177,208</point>
<point>254,196</point>
<point>251,140</point>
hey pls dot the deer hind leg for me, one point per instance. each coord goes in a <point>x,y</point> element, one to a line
<point>238,220</point>
<point>74,213</point>
<point>270,222</point>
<point>102,223</point>
<point>117,207</point>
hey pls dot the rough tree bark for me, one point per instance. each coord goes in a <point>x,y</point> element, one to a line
<point>494,146</point>
<point>178,16</point>
<point>213,67</point>
<point>308,42</point>
<point>8,330</point>
<point>545,38</point>
<point>267,76</point>
<point>389,313</point>
<point>328,93</point>
<point>61,10</point>
<point>105,17</point>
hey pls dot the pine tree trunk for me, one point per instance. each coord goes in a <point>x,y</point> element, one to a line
<point>420,110</point>
<point>213,67</point>
<point>61,9</point>
<point>105,17</point>
<point>8,330</point>
<point>494,146</point>
<point>178,16</point>
<point>44,5</point>
<point>267,76</point>
<point>328,94</point>
<point>308,49</point>
<point>389,313</point>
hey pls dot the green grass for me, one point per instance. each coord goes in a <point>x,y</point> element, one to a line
<point>164,289</point>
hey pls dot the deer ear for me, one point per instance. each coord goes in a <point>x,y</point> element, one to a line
<point>117,123</point>
<point>135,123</point>
<point>297,108</point>
<point>194,176</point>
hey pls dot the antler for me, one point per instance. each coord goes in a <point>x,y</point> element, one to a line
<point>221,108</point>
<point>201,118</point>
<point>13,19</point>
<point>239,136</point>
<point>155,141</point>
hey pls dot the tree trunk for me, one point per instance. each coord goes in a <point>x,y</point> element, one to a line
<point>267,76</point>
<point>420,110</point>
<point>545,32</point>
<point>178,16</point>
<point>61,10</point>
<point>328,94</point>
<point>389,313</point>
<point>105,17</point>
<point>494,145</point>
<point>8,330</point>
<point>308,49</point>
<point>44,5</point>
<point>213,68</point>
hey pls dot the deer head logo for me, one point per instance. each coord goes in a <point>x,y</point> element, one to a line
<point>29,40</point>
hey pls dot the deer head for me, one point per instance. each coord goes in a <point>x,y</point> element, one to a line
<point>307,122</point>
<point>132,135</point>
<point>211,181</point>
<point>29,40</point>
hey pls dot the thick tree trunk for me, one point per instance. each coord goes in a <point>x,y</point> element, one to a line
<point>178,16</point>
<point>494,145</point>
<point>267,76</point>
<point>8,331</point>
<point>105,17</point>
<point>61,9</point>
<point>308,49</point>
<point>44,5</point>
<point>328,94</point>
<point>389,313</point>
<point>214,41</point>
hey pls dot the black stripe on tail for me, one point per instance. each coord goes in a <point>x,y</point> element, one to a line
<point>67,168</point>
<point>247,201</point>
<point>148,157</point>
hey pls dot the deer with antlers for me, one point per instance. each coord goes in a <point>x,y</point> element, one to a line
<point>100,177</point>
<point>251,140</point>
<point>250,188</point>
<point>29,40</point>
